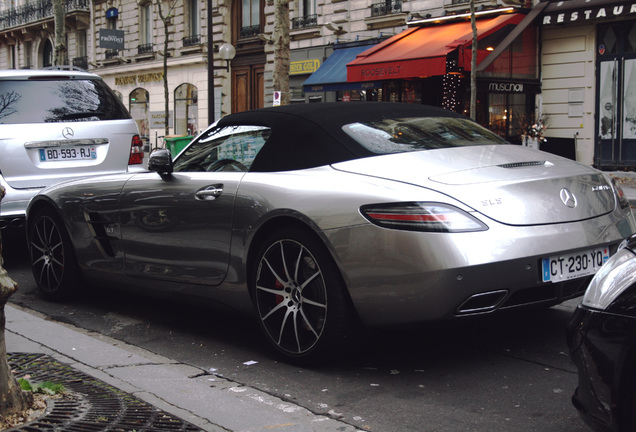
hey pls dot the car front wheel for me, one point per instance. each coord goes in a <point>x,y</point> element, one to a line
<point>52,257</point>
<point>300,297</point>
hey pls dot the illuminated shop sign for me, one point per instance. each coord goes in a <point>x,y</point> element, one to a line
<point>506,87</point>
<point>528,87</point>
<point>304,67</point>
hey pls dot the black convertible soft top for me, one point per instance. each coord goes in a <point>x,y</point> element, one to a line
<point>311,135</point>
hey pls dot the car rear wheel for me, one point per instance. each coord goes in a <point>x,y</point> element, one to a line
<point>300,297</point>
<point>53,260</point>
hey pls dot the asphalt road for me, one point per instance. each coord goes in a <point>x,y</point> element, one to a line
<point>499,373</point>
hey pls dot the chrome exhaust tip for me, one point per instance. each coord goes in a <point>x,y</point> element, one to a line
<point>482,303</point>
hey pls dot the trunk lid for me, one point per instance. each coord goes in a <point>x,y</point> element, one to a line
<point>511,184</point>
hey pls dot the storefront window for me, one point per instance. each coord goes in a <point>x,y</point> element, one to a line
<point>509,115</point>
<point>370,95</point>
<point>139,101</point>
<point>497,114</point>
<point>186,110</point>
<point>411,92</point>
<point>523,50</point>
<point>392,92</point>
<point>616,95</point>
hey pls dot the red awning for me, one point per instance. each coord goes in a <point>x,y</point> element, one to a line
<point>421,51</point>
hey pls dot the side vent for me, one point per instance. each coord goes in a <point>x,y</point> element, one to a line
<point>522,164</point>
<point>99,233</point>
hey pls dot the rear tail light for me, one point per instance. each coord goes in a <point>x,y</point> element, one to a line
<point>422,216</point>
<point>136,151</point>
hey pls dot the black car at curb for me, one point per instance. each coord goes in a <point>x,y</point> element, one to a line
<point>602,340</point>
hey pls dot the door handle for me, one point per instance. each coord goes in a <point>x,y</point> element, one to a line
<point>209,193</point>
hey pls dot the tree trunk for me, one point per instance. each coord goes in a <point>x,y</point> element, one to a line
<point>60,33</point>
<point>12,398</point>
<point>165,19</point>
<point>281,50</point>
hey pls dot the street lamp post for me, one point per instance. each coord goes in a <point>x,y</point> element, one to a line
<point>226,52</point>
<point>210,65</point>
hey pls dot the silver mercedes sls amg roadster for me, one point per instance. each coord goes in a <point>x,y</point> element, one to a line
<point>319,217</point>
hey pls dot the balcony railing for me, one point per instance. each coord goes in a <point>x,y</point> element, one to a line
<point>386,8</point>
<point>193,40</point>
<point>35,11</point>
<point>251,31</point>
<point>144,49</point>
<point>304,22</point>
<point>81,62</point>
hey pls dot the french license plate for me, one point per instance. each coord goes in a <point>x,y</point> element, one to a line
<point>67,153</point>
<point>571,266</point>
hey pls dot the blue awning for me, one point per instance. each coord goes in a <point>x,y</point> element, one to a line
<point>332,74</point>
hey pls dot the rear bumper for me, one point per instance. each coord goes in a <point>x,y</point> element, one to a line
<point>14,204</point>
<point>399,277</point>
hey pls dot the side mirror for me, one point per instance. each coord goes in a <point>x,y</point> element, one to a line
<point>160,161</point>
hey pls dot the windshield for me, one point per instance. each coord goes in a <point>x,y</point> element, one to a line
<point>400,135</point>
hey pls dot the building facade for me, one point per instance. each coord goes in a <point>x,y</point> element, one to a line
<point>589,88</point>
<point>179,43</point>
<point>566,65</point>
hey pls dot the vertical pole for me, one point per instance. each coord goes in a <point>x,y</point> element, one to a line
<point>210,65</point>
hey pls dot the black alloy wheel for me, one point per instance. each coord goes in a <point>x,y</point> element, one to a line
<point>300,297</point>
<point>52,257</point>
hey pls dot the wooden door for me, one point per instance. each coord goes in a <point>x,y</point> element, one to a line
<point>248,87</point>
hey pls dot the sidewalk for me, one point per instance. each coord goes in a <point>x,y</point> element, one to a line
<point>207,401</point>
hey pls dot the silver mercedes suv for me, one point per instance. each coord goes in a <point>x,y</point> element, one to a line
<point>57,125</point>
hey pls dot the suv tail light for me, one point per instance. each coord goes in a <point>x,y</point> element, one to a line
<point>136,151</point>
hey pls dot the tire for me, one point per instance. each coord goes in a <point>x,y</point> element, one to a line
<point>626,401</point>
<point>632,422</point>
<point>300,298</point>
<point>53,260</point>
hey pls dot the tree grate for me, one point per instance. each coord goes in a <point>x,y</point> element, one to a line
<point>89,404</point>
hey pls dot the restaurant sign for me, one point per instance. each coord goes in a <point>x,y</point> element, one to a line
<point>588,14</point>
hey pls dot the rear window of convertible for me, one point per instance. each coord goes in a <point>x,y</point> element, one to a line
<point>400,135</point>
